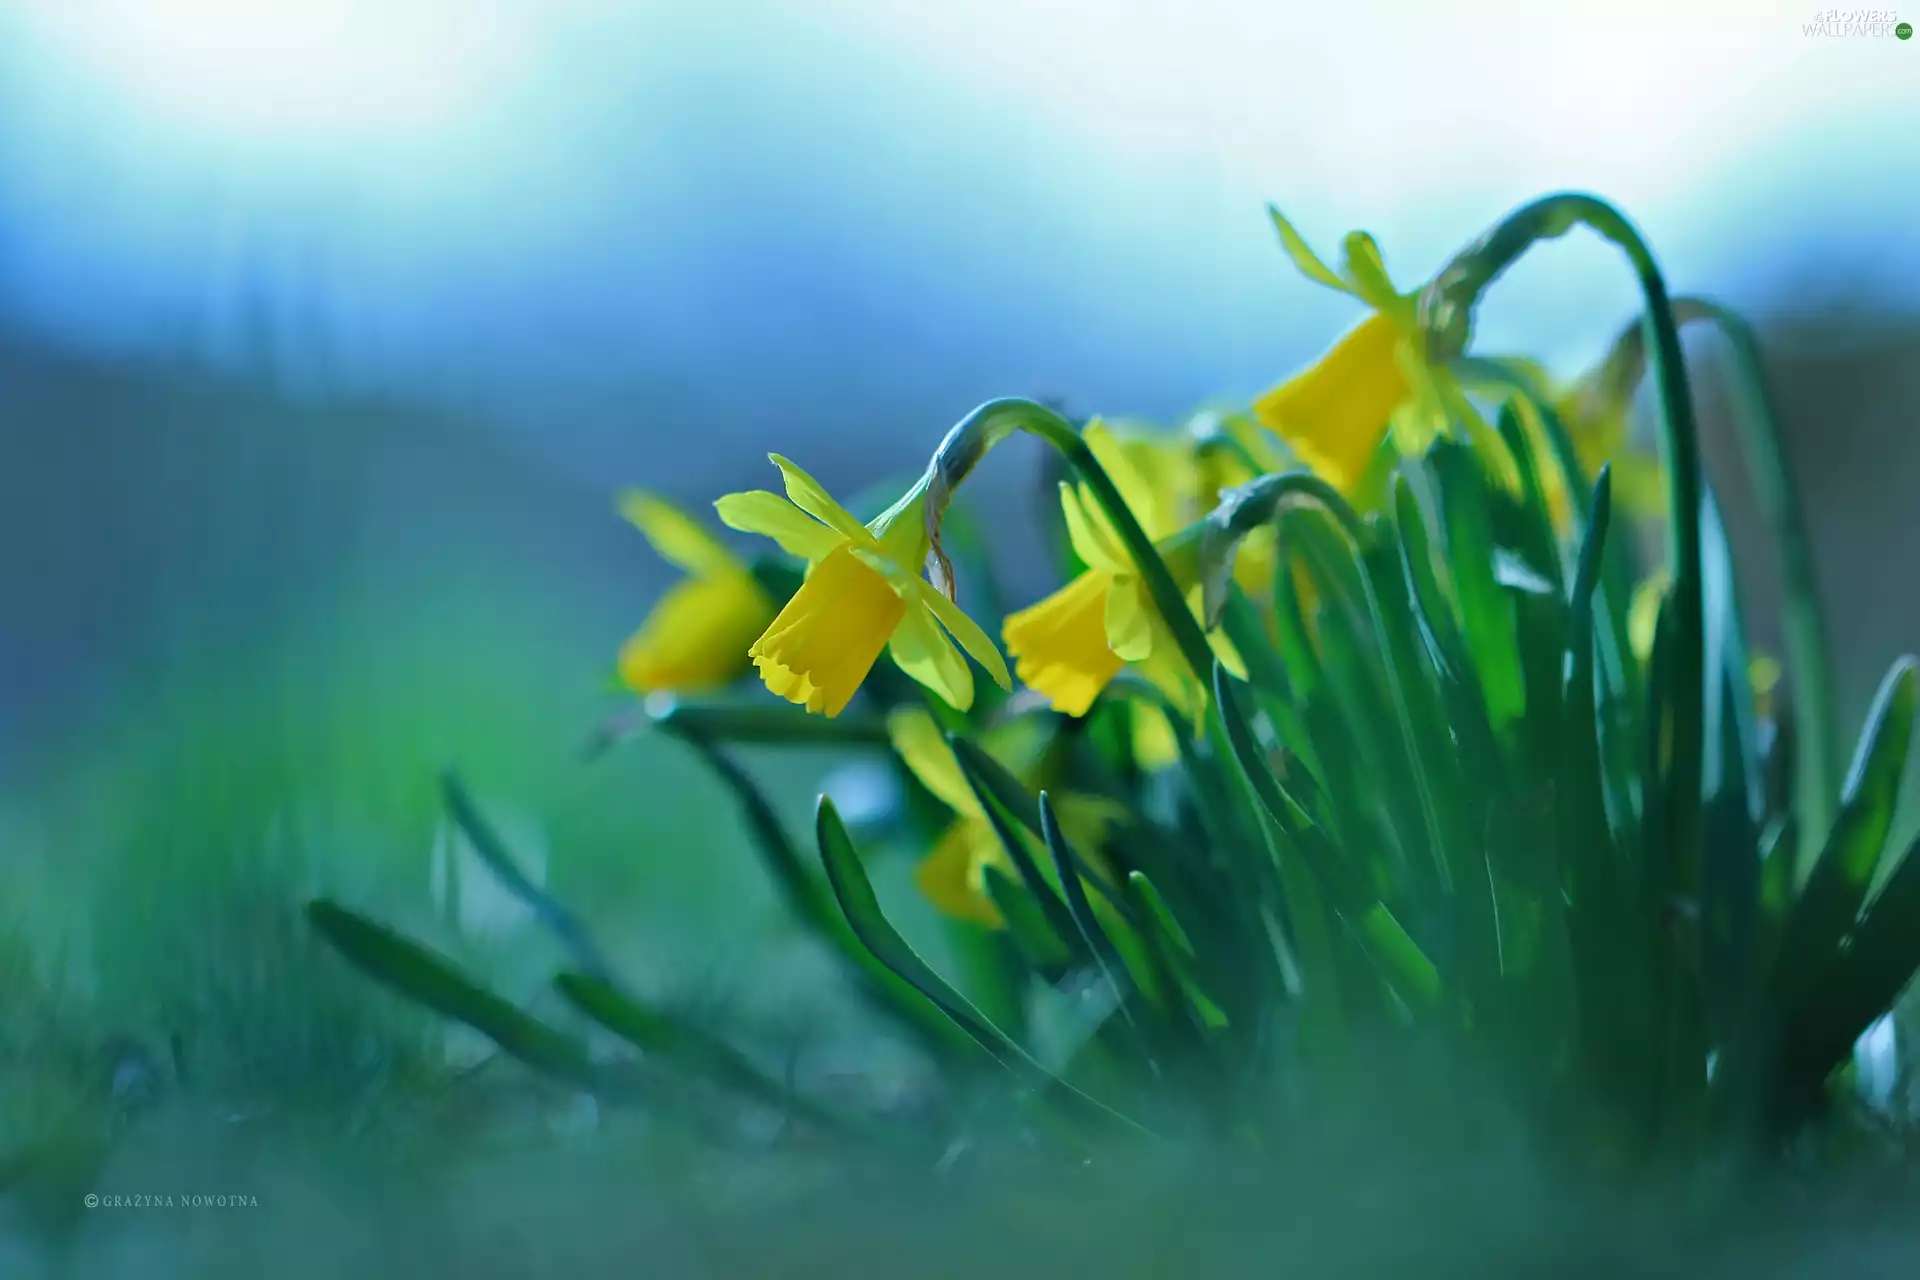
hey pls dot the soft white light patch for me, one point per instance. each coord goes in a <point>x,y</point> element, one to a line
<point>1876,1062</point>
<point>281,72</point>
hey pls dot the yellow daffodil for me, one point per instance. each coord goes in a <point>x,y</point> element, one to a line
<point>863,593</point>
<point>953,876</point>
<point>1071,644</point>
<point>1336,413</point>
<point>696,637</point>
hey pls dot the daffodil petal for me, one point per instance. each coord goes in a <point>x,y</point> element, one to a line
<point>811,497</point>
<point>1129,620</point>
<point>677,536</point>
<point>964,629</point>
<point>697,636</point>
<point>1643,614</point>
<point>1334,413</point>
<point>1060,644</point>
<point>1305,260</point>
<point>1154,744</point>
<point>819,648</point>
<point>923,651</point>
<point>772,516</point>
<point>1368,272</point>
<point>917,740</point>
<point>1089,538</point>
<point>950,878</point>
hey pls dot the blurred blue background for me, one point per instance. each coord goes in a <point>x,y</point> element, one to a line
<point>324,322</point>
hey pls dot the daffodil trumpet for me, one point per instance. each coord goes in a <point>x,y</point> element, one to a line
<point>1382,381</point>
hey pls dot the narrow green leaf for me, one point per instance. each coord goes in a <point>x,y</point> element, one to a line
<point>1809,667</point>
<point>1487,615</point>
<point>431,979</point>
<point>870,925</point>
<point>807,900</point>
<point>1098,944</point>
<point>1831,898</point>
<point>755,724</point>
<point>1053,915</point>
<point>1037,946</point>
<point>1401,962</point>
<point>1535,536</point>
<point>1865,980</point>
<point>989,778</point>
<point>687,1046</point>
<point>1172,952</point>
<point>493,853</point>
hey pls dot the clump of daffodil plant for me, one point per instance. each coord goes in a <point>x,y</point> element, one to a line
<point>1358,730</point>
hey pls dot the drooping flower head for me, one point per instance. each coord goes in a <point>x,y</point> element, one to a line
<point>1335,414</point>
<point>1070,645</point>
<point>696,637</point>
<point>864,592</point>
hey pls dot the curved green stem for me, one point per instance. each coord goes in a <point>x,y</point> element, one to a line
<point>1446,311</point>
<point>993,422</point>
<point>1804,631</point>
<point>1262,501</point>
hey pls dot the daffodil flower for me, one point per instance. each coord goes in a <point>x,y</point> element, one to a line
<point>953,876</point>
<point>696,637</point>
<point>1070,645</point>
<point>863,593</point>
<point>1336,413</point>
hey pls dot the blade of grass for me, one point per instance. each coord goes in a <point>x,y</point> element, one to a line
<point>432,980</point>
<point>706,1056</point>
<point>546,908</point>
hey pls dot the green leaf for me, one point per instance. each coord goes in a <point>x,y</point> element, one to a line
<point>1809,668</point>
<point>1486,614</point>
<point>870,925</point>
<point>1586,851</point>
<point>431,979</point>
<point>989,778</point>
<point>1052,914</point>
<point>1535,540</point>
<point>1038,947</point>
<point>1864,981</point>
<point>1099,944</point>
<point>757,724</point>
<point>1831,898</point>
<point>807,900</point>
<point>686,1046</point>
<point>1402,964</point>
<point>493,853</point>
<point>1172,953</point>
